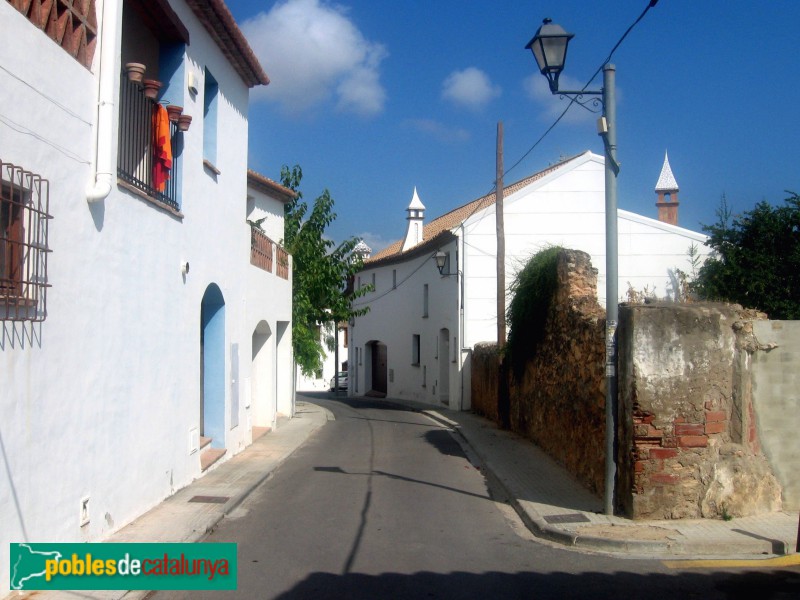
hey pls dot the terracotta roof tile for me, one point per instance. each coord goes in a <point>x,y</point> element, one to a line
<point>270,187</point>
<point>456,217</point>
<point>219,22</point>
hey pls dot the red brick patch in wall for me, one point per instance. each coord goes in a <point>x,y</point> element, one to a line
<point>715,427</point>
<point>662,453</point>
<point>693,441</point>
<point>682,429</point>
<point>713,416</point>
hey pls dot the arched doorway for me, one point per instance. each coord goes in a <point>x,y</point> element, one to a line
<point>444,366</point>
<point>212,366</point>
<point>375,376</point>
<point>263,397</point>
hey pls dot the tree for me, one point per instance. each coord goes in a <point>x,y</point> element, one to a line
<point>756,259</point>
<point>320,272</point>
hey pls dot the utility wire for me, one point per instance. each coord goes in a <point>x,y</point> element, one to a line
<point>479,205</point>
<point>572,101</point>
<point>392,289</point>
<point>650,5</point>
<point>46,97</point>
<point>25,131</point>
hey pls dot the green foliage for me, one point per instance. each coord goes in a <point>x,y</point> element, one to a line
<point>756,262</point>
<point>320,272</point>
<point>533,289</point>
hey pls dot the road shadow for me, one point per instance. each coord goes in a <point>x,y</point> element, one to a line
<point>543,586</point>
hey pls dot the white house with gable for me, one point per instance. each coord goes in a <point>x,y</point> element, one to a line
<point>146,325</point>
<point>416,339</point>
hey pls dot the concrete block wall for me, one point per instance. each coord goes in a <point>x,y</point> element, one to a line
<point>776,402</point>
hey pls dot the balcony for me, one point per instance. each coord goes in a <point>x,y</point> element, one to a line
<point>262,251</point>
<point>137,164</point>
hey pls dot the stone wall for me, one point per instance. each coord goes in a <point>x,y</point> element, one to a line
<point>688,446</point>
<point>707,413</point>
<point>560,401</point>
<point>484,380</point>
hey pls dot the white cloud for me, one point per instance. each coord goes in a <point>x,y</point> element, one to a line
<point>470,88</point>
<point>375,241</point>
<point>538,90</point>
<point>313,52</point>
<point>439,131</point>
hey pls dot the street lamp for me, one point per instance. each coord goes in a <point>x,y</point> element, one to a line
<point>441,261</point>
<point>549,47</point>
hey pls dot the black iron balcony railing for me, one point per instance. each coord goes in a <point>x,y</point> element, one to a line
<point>137,145</point>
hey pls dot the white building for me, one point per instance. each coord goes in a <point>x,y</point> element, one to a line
<point>416,339</point>
<point>134,321</point>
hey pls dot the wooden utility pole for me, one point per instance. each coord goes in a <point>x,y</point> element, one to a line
<point>503,392</point>
<point>501,242</point>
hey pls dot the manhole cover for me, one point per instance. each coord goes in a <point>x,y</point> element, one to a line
<point>210,499</point>
<point>570,518</point>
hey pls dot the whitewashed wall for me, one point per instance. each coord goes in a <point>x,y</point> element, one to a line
<point>396,314</point>
<point>567,208</point>
<point>101,399</point>
<point>269,390</point>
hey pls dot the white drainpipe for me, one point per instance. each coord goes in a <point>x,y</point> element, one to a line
<point>100,184</point>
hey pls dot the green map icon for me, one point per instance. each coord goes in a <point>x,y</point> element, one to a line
<point>28,564</point>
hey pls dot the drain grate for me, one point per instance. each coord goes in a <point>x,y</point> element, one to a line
<point>210,499</point>
<point>570,518</point>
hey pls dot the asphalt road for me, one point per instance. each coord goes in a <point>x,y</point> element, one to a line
<point>384,503</point>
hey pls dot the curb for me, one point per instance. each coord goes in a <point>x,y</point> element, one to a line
<point>540,528</point>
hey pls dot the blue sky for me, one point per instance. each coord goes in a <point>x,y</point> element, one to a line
<point>374,97</point>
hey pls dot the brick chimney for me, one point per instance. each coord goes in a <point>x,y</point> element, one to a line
<point>667,190</point>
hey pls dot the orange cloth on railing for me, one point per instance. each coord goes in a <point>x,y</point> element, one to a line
<point>162,148</point>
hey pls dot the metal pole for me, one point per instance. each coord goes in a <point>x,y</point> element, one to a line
<point>336,357</point>
<point>612,296</point>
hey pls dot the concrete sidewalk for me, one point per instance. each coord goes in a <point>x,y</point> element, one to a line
<point>556,507</point>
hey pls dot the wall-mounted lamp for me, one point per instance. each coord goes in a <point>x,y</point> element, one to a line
<point>443,264</point>
<point>192,83</point>
<point>441,261</point>
<point>185,267</point>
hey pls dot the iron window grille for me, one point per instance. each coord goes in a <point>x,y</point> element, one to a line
<point>24,217</point>
<point>137,145</point>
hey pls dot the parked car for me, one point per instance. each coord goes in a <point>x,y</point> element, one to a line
<point>342,381</point>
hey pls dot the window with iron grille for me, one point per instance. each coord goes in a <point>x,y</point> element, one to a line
<point>24,206</point>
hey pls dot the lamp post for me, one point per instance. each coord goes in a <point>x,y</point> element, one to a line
<point>549,47</point>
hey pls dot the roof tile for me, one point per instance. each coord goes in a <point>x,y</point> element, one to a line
<point>456,217</point>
